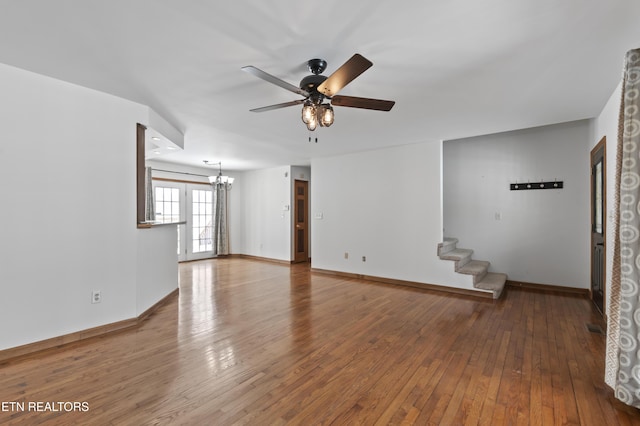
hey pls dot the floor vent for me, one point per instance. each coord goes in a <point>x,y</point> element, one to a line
<point>595,328</point>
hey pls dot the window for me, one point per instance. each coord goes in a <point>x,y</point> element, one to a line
<point>167,204</point>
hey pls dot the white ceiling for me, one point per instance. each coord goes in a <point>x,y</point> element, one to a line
<point>455,68</point>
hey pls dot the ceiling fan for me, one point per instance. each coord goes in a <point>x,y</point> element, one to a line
<point>317,89</point>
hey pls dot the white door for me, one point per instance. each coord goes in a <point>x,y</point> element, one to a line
<point>190,203</point>
<point>199,221</point>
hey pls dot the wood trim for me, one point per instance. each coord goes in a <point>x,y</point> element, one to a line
<point>413,284</point>
<point>140,192</point>
<point>261,259</point>
<point>160,303</point>
<point>60,341</point>
<point>337,273</point>
<point>602,144</point>
<point>204,258</point>
<point>181,181</point>
<point>547,287</point>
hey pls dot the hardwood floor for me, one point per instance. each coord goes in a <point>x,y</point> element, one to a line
<point>250,342</point>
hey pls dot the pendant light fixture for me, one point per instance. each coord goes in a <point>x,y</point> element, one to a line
<point>219,179</point>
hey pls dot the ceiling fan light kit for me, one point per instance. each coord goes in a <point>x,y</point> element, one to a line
<point>308,112</point>
<point>325,115</point>
<point>317,88</point>
<point>314,115</point>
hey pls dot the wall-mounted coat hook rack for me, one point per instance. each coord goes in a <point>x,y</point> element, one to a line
<point>521,186</point>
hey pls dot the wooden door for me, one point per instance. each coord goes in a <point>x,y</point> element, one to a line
<point>598,224</point>
<point>301,221</point>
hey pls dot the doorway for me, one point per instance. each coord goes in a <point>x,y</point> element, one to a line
<point>598,223</point>
<point>301,221</point>
<point>191,202</point>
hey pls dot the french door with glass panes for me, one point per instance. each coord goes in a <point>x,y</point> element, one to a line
<point>192,203</point>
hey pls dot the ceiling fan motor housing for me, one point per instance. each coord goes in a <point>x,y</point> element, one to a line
<point>310,84</point>
<point>317,66</point>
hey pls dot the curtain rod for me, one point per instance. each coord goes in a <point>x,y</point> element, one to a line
<point>180,173</point>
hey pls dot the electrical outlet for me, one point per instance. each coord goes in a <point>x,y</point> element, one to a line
<point>96,296</point>
<point>346,255</point>
<point>364,258</point>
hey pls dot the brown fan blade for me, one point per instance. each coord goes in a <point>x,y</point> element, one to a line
<point>274,80</point>
<point>366,103</point>
<point>344,75</point>
<point>277,106</point>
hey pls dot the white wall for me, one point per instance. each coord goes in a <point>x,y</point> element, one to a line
<point>266,225</point>
<point>385,205</point>
<point>157,261</point>
<point>236,218</point>
<point>606,125</point>
<point>162,126</point>
<point>300,173</point>
<point>67,179</point>
<point>542,235</point>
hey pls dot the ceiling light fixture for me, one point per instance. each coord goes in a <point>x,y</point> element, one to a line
<point>227,181</point>
<point>317,88</point>
<point>314,115</point>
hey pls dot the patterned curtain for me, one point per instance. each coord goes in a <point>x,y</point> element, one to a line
<point>623,342</point>
<point>150,209</point>
<point>220,230</point>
